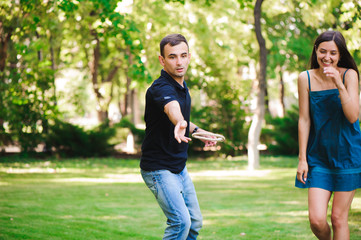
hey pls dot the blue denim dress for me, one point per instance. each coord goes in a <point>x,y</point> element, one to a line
<point>334,144</point>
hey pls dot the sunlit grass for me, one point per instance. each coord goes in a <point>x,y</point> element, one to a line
<point>107,199</point>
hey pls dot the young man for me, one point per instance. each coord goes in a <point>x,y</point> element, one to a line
<point>164,149</point>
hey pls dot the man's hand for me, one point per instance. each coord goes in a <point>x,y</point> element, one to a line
<point>207,142</point>
<point>180,131</point>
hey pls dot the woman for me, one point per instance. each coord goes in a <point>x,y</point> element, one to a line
<point>329,135</point>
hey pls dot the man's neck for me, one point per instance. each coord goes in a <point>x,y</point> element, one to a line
<point>179,80</point>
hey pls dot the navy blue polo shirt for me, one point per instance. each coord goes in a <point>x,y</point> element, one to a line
<point>160,150</point>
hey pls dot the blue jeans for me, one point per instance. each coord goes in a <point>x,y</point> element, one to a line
<point>177,197</point>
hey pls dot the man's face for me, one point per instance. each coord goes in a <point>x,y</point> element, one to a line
<point>175,61</point>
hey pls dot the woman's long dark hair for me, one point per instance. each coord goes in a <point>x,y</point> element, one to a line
<point>346,60</point>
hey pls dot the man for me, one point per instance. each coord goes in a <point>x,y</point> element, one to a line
<point>164,149</point>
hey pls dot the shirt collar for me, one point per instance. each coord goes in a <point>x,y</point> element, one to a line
<point>171,80</point>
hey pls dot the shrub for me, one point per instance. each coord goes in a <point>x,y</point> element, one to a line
<point>73,141</point>
<point>139,134</point>
<point>281,134</point>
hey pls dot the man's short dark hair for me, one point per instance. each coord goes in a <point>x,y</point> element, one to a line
<point>173,40</point>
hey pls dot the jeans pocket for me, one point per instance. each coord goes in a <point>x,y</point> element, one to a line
<point>153,187</point>
<point>151,182</point>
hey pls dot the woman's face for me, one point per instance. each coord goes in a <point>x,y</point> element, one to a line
<point>327,54</point>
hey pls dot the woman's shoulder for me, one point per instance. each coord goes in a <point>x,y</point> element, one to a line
<point>349,75</point>
<point>304,75</point>
<point>347,71</point>
<point>303,80</point>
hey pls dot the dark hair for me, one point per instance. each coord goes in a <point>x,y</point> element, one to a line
<point>173,40</point>
<point>346,60</point>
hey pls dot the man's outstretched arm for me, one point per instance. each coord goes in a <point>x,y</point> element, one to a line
<point>173,111</point>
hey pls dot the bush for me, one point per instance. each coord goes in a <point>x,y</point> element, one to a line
<point>73,141</point>
<point>139,134</point>
<point>281,134</point>
<point>225,114</point>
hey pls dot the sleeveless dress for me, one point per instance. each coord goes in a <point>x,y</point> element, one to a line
<point>334,144</point>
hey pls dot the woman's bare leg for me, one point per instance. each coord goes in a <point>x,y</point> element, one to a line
<point>317,209</point>
<point>339,217</point>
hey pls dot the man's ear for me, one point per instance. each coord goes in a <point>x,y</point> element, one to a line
<point>161,60</point>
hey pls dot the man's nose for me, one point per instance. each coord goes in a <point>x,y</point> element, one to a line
<point>179,61</point>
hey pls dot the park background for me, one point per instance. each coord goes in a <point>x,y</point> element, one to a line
<point>73,76</point>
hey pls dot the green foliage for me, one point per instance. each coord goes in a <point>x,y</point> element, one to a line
<point>281,134</point>
<point>224,115</point>
<point>125,122</point>
<point>207,2</point>
<point>27,82</point>
<point>73,141</point>
<point>44,41</point>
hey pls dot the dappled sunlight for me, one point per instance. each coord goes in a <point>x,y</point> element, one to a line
<point>279,217</point>
<point>23,170</point>
<point>196,176</point>
<point>34,170</point>
<point>228,174</point>
<point>223,213</point>
<point>356,203</point>
<point>208,222</point>
<point>132,175</point>
<point>118,178</point>
<point>293,213</point>
<point>291,202</point>
<point>118,217</point>
<point>289,219</point>
<point>54,167</point>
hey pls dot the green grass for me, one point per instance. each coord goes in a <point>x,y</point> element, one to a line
<point>106,199</point>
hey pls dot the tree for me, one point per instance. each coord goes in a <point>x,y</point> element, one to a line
<point>29,69</point>
<point>256,126</point>
<point>110,48</point>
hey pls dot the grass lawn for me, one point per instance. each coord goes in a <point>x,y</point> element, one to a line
<point>107,199</point>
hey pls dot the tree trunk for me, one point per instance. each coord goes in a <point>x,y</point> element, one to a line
<point>127,106</point>
<point>127,97</point>
<point>135,107</point>
<point>256,126</point>
<point>4,40</point>
<point>53,67</point>
<point>266,99</point>
<point>282,93</point>
<point>94,66</point>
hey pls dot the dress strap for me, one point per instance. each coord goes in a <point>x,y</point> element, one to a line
<point>309,81</point>
<point>343,79</point>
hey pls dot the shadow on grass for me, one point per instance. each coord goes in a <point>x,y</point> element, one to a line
<point>99,199</point>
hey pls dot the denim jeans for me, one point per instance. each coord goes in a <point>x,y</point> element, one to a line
<point>177,197</point>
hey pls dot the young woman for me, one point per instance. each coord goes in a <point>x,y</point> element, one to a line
<point>329,135</point>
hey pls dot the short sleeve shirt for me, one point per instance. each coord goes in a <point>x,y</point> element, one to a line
<point>160,150</point>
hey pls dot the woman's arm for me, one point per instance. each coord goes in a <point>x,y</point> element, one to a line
<point>304,123</point>
<point>348,91</point>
